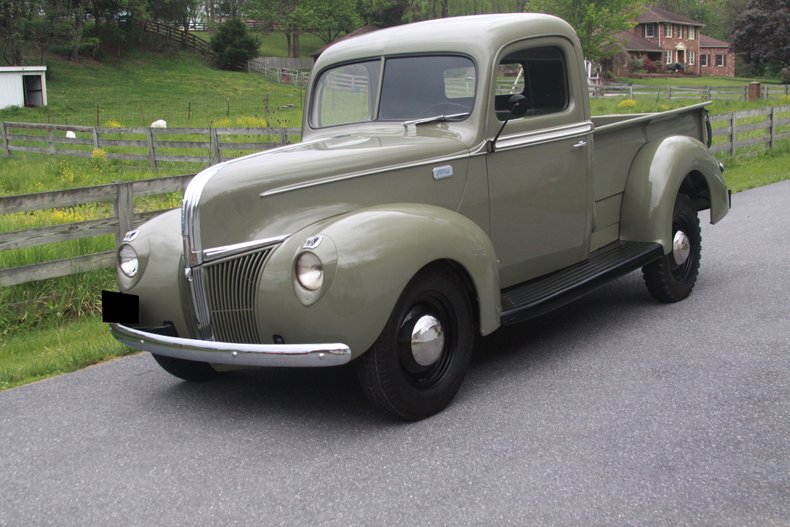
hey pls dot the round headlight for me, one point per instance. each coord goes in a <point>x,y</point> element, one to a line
<point>127,260</point>
<point>309,271</point>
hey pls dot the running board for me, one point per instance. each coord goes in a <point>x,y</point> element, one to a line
<point>541,295</point>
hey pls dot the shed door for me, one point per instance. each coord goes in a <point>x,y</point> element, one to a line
<point>34,94</point>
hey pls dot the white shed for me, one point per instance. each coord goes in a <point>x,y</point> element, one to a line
<point>23,86</point>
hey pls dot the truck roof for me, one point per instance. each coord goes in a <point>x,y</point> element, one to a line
<point>478,36</point>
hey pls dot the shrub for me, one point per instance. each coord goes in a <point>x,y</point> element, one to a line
<point>627,104</point>
<point>234,45</point>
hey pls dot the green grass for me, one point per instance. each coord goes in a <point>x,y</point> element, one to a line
<point>175,86</point>
<point>743,173</point>
<point>32,356</point>
<point>684,80</point>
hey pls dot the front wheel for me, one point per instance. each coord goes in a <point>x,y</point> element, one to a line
<point>417,364</point>
<point>672,278</point>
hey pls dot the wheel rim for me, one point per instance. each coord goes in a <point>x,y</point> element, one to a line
<point>426,341</point>
<point>681,247</point>
<point>682,257</point>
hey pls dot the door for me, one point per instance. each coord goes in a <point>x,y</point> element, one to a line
<point>539,170</point>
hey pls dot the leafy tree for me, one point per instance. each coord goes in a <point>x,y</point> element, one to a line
<point>384,13</point>
<point>596,23</point>
<point>761,35</point>
<point>233,44</point>
<point>328,20</point>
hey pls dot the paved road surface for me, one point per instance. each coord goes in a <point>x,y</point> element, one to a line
<point>613,411</point>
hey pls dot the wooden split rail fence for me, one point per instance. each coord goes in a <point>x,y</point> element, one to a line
<point>124,219</point>
<point>750,128</point>
<point>154,145</point>
<point>740,130</point>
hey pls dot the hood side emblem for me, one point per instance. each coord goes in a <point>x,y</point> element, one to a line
<point>313,242</point>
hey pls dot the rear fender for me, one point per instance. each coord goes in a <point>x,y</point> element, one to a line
<point>369,256</point>
<point>659,171</point>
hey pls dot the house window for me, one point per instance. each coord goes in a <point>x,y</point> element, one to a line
<point>668,30</point>
<point>721,60</point>
<point>692,58</point>
<point>692,33</point>
<point>703,60</point>
<point>650,30</point>
<point>669,57</point>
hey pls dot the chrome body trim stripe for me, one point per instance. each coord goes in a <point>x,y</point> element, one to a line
<point>190,218</point>
<point>274,355</point>
<point>355,175</point>
<point>226,251</point>
<point>538,137</point>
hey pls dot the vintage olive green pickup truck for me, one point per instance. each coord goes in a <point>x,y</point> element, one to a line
<point>450,180</point>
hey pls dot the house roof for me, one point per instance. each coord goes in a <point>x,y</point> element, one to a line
<point>656,14</point>
<point>710,42</point>
<point>632,42</point>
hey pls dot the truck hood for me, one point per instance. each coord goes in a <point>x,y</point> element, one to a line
<point>278,192</point>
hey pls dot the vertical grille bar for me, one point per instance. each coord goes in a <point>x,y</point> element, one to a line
<point>231,287</point>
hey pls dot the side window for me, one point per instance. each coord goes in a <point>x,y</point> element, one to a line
<point>539,74</point>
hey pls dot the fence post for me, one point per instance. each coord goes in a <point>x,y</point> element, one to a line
<point>151,148</point>
<point>283,136</point>
<point>124,210</point>
<point>96,138</point>
<point>215,154</point>
<point>733,136</point>
<point>6,142</point>
<point>772,130</point>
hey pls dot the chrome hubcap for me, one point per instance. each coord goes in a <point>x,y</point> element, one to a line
<point>427,340</point>
<point>681,248</point>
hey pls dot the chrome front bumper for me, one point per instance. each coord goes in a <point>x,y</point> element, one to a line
<point>274,355</point>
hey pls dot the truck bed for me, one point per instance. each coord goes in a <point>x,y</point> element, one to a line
<point>617,140</point>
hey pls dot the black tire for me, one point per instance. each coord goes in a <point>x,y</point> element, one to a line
<point>186,369</point>
<point>389,372</point>
<point>667,279</point>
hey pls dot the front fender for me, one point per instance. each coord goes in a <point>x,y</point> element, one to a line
<point>656,176</point>
<point>369,256</point>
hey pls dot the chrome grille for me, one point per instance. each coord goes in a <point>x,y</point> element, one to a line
<point>231,286</point>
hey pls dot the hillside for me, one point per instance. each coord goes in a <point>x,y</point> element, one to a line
<point>144,86</point>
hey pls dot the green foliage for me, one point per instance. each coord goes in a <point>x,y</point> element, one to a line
<point>596,23</point>
<point>234,45</point>
<point>761,34</point>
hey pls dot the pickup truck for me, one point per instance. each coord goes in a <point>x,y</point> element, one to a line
<point>450,180</point>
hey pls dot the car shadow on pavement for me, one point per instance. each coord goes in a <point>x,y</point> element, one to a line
<point>332,395</point>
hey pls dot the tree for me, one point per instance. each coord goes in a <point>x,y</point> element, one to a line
<point>384,13</point>
<point>328,20</point>
<point>233,44</point>
<point>596,23</point>
<point>761,35</point>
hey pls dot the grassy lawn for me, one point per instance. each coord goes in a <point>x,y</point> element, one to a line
<point>28,357</point>
<point>684,80</point>
<point>175,86</point>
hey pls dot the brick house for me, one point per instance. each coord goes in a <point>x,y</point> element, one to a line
<point>665,38</point>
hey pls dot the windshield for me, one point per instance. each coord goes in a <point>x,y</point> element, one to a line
<point>411,88</point>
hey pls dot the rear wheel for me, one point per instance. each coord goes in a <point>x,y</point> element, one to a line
<point>417,364</point>
<point>186,369</point>
<point>672,278</point>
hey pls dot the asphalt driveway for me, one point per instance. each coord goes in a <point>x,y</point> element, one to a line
<point>616,410</point>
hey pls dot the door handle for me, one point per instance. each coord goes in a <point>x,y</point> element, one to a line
<point>580,144</point>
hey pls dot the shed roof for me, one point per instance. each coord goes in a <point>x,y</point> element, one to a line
<point>23,69</point>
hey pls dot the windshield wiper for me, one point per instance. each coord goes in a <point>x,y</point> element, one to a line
<point>437,119</point>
